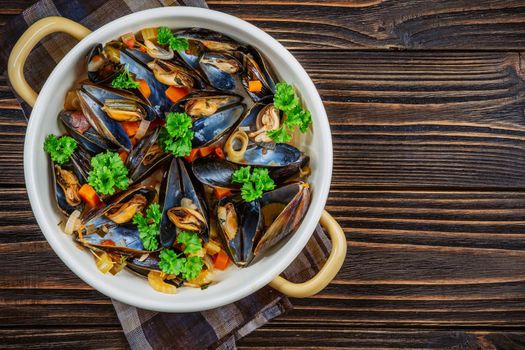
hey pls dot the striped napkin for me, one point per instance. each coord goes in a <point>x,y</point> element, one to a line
<point>216,329</point>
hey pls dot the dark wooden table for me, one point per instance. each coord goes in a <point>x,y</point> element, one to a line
<point>426,101</point>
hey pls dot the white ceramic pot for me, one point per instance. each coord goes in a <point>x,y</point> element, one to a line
<point>234,283</point>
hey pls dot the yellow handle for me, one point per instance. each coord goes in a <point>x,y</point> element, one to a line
<point>28,41</point>
<point>328,271</point>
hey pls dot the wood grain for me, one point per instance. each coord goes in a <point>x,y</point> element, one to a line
<point>428,184</point>
<point>378,24</point>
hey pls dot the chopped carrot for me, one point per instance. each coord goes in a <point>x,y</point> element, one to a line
<point>130,128</point>
<point>176,93</point>
<point>220,192</point>
<point>89,196</point>
<point>129,40</point>
<point>254,86</point>
<point>193,155</point>
<point>144,88</point>
<point>206,151</point>
<point>219,153</point>
<point>108,242</point>
<point>123,155</point>
<point>130,43</point>
<point>221,260</point>
<point>143,48</point>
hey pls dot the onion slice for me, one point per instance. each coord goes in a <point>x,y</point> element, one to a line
<point>73,222</point>
<point>143,128</point>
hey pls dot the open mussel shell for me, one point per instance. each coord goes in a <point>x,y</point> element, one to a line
<point>121,207</point>
<point>210,39</point>
<point>99,120</point>
<point>144,265</point>
<point>176,189</point>
<point>158,99</point>
<point>200,104</point>
<point>240,227</point>
<point>123,238</point>
<point>91,140</point>
<point>221,70</point>
<point>66,183</point>
<point>101,69</point>
<point>209,129</point>
<point>283,210</point>
<point>146,157</point>
<point>110,97</point>
<point>255,67</point>
<point>217,172</point>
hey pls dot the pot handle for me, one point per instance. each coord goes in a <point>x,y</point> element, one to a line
<point>328,271</point>
<point>31,37</point>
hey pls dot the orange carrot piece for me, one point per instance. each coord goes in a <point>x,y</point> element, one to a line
<point>220,192</point>
<point>221,260</point>
<point>144,88</point>
<point>130,128</point>
<point>123,155</point>
<point>176,93</point>
<point>108,242</point>
<point>206,151</point>
<point>219,153</point>
<point>193,155</point>
<point>254,86</point>
<point>89,195</point>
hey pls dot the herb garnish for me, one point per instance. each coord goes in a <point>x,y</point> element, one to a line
<point>60,148</point>
<point>286,100</point>
<point>187,266</point>
<point>176,135</point>
<point>166,37</point>
<point>107,172</point>
<point>149,226</point>
<point>254,183</point>
<point>124,80</point>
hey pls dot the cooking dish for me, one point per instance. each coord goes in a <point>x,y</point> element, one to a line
<point>234,283</point>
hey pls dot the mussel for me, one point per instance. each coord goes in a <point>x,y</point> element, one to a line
<point>123,239</point>
<point>182,207</point>
<point>108,128</point>
<point>101,64</point>
<point>255,68</point>
<point>157,99</point>
<point>171,74</point>
<point>81,130</point>
<point>68,178</point>
<point>209,39</point>
<point>121,207</point>
<point>248,229</point>
<point>206,103</point>
<point>221,69</point>
<point>146,157</point>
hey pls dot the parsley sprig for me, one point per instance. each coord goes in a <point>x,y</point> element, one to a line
<point>166,37</point>
<point>176,135</point>
<point>107,172</point>
<point>183,264</point>
<point>286,100</point>
<point>149,226</point>
<point>60,148</point>
<point>254,183</point>
<point>124,80</point>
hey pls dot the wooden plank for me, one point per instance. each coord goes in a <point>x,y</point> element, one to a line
<point>399,119</point>
<point>284,336</point>
<point>378,24</point>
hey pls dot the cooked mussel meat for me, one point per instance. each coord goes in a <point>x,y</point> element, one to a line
<point>101,67</point>
<point>221,69</point>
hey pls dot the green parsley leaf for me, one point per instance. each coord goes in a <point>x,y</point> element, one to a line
<point>149,226</point>
<point>179,44</point>
<point>254,183</point>
<point>107,172</point>
<point>287,101</point>
<point>170,262</point>
<point>124,80</point>
<point>242,175</point>
<point>262,179</point>
<point>176,135</point>
<point>191,241</point>
<point>249,192</point>
<point>193,267</point>
<point>166,37</point>
<point>60,148</point>
<point>174,264</point>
